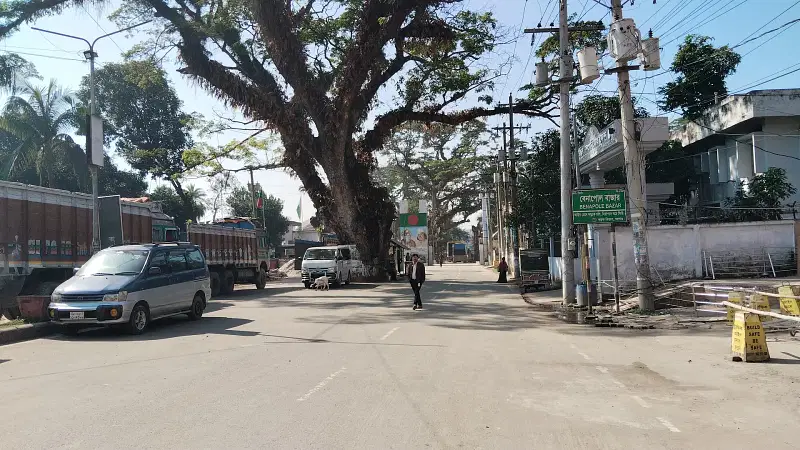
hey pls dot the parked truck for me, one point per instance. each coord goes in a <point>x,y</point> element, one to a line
<point>236,252</point>
<point>46,233</point>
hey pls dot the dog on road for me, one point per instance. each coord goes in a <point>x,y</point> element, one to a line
<point>322,283</point>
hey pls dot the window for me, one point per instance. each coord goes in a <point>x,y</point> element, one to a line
<point>195,259</point>
<point>160,260</point>
<point>345,253</point>
<point>177,260</point>
<point>115,262</point>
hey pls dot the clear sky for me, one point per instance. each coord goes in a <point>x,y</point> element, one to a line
<point>727,21</point>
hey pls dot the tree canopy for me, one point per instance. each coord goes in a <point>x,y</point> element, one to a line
<point>312,72</point>
<point>701,71</point>
<point>240,202</point>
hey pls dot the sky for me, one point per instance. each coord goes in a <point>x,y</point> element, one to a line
<point>727,21</point>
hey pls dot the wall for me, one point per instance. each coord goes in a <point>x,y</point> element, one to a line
<point>676,252</point>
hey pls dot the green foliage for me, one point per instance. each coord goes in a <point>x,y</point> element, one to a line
<point>37,121</point>
<point>175,206</point>
<point>142,115</point>
<point>439,163</point>
<point>701,71</point>
<point>240,202</point>
<point>14,70</point>
<point>539,186</point>
<point>765,190</point>
<point>577,39</point>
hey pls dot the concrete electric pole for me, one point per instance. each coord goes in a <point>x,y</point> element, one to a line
<point>94,136</point>
<point>634,169</point>
<point>565,79</point>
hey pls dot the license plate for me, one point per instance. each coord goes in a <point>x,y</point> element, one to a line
<point>76,315</point>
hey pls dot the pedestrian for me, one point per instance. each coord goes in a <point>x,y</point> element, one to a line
<point>416,275</point>
<point>503,269</point>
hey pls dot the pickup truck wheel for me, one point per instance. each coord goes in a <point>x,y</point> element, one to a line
<point>347,281</point>
<point>215,284</point>
<point>307,284</point>
<point>261,279</point>
<point>227,282</point>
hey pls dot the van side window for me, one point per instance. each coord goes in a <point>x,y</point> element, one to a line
<point>195,259</point>
<point>345,253</point>
<point>177,260</point>
<point>160,260</point>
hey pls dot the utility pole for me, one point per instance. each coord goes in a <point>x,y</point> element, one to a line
<point>634,170</point>
<point>564,81</point>
<point>94,135</point>
<point>252,191</point>
<point>510,153</point>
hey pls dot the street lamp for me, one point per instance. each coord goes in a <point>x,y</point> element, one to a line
<point>94,124</point>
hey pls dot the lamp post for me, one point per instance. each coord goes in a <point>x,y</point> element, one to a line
<point>94,134</point>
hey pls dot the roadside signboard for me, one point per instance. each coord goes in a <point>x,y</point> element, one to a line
<point>599,206</point>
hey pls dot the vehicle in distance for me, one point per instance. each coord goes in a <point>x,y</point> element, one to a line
<point>339,263</point>
<point>131,285</point>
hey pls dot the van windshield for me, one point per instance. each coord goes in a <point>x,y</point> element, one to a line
<point>320,254</point>
<point>115,262</point>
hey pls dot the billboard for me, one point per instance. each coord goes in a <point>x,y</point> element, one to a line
<point>414,234</point>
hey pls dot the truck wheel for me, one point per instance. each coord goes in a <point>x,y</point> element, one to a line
<point>227,282</point>
<point>47,287</point>
<point>215,286</point>
<point>261,279</point>
<point>12,313</point>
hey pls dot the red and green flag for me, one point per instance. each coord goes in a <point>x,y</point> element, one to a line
<point>414,220</point>
<point>260,200</point>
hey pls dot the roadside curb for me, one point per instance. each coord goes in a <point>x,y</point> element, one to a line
<point>26,332</point>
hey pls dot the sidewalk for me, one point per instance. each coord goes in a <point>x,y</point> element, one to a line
<point>14,333</point>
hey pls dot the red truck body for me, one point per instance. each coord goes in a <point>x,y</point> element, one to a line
<point>234,255</point>
<point>45,233</point>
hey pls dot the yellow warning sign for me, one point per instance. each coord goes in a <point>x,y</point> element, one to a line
<point>789,306</point>
<point>761,303</point>
<point>748,341</point>
<point>734,297</point>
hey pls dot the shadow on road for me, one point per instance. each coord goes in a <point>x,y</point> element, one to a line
<point>167,328</point>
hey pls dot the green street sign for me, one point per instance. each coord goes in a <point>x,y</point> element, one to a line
<point>599,206</point>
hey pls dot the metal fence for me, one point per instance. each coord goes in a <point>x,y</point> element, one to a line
<point>749,262</point>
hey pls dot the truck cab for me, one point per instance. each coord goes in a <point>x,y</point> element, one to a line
<point>335,262</point>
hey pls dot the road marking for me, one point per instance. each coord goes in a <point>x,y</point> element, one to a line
<point>668,424</point>
<point>601,369</point>
<point>585,356</point>
<point>389,333</point>
<point>641,402</point>
<point>321,385</point>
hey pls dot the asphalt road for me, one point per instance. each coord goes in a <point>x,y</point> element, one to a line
<point>355,368</point>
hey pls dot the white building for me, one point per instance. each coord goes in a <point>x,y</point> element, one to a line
<point>741,136</point>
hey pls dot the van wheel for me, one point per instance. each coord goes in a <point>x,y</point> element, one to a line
<point>227,282</point>
<point>198,306</point>
<point>261,279</point>
<point>139,320</point>
<point>215,285</point>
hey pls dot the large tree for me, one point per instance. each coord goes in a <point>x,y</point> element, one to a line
<point>439,163</point>
<point>312,71</point>
<point>37,121</point>
<point>539,187</point>
<point>701,71</point>
<point>173,205</point>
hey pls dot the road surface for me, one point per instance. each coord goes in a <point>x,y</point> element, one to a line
<point>355,367</point>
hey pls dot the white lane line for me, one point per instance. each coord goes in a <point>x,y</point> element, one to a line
<point>321,385</point>
<point>668,424</point>
<point>641,401</point>
<point>601,369</point>
<point>585,356</point>
<point>389,333</point>
<point>619,383</point>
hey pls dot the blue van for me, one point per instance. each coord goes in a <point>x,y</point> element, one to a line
<point>131,285</point>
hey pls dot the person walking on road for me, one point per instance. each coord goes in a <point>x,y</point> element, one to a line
<point>503,269</point>
<point>416,275</point>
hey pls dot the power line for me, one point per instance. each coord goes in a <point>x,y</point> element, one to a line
<point>44,56</point>
<point>102,29</point>
<point>708,20</point>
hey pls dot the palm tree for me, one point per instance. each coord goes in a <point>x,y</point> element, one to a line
<point>39,119</point>
<point>194,205</point>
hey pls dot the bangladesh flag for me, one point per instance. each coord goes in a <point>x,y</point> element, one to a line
<point>414,220</point>
<point>260,200</point>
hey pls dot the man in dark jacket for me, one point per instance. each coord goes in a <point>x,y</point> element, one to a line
<point>416,275</point>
